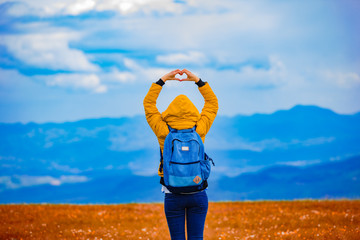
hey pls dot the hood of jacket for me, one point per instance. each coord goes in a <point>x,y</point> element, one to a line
<point>181,113</point>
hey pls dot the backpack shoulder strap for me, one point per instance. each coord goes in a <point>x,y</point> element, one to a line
<point>172,129</point>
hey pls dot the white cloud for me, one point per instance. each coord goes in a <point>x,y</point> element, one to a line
<point>266,144</point>
<point>122,140</point>
<point>234,171</point>
<point>314,141</point>
<point>191,57</point>
<point>73,179</point>
<point>300,163</point>
<point>117,76</point>
<point>132,64</point>
<point>122,76</point>
<point>132,6</point>
<point>76,7</point>
<point>89,82</point>
<point>18,181</point>
<point>11,78</point>
<point>64,168</point>
<point>247,76</point>
<point>342,79</point>
<point>50,8</point>
<point>276,75</point>
<point>228,32</point>
<point>48,50</point>
<point>144,72</point>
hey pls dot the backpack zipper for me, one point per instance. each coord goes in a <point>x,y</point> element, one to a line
<point>184,163</point>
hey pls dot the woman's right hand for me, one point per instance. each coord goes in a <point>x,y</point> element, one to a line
<point>171,75</point>
<point>190,76</point>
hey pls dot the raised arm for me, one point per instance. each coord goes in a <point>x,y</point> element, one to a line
<point>210,108</point>
<point>153,116</point>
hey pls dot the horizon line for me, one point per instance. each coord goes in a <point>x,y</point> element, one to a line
<point>138,115</point>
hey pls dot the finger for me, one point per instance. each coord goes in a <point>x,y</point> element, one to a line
<point>172,73</point>
<point>174,78</point>
<point>186,71</point>
<point>178,71</point>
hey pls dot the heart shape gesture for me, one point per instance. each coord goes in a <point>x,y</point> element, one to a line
<point>180,75</point>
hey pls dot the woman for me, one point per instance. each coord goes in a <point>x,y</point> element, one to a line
<point>182,114</point>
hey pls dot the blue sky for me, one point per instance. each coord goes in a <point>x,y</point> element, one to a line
<point>68,60</point>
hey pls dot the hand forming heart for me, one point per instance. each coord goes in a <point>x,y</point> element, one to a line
<point>180,75</point>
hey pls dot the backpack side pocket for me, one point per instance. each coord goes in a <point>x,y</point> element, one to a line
<point>205,166</point>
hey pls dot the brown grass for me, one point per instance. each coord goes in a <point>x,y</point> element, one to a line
<point>229,220</point>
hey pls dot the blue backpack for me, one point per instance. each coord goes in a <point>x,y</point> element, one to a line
<point>186,166</point>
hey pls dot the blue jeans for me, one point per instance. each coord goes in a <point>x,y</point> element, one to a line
<point>192,206</point>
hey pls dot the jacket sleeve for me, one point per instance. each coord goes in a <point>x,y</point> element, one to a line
<point>209,110</point>
<point>153,116</point>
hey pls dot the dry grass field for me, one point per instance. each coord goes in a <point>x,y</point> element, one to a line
<point>228,220</point>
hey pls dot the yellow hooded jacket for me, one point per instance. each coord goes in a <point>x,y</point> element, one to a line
<point>180,114</point>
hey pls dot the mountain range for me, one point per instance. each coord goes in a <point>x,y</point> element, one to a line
<point>303,152</point>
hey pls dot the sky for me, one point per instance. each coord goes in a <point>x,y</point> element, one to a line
<point>66,60</point>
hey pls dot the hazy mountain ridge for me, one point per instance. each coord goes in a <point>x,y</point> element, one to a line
<point>339,179</point>
<point>75,155</point>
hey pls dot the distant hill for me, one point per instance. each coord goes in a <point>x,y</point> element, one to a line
<point>284,155</point>
<point>339,179</point>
